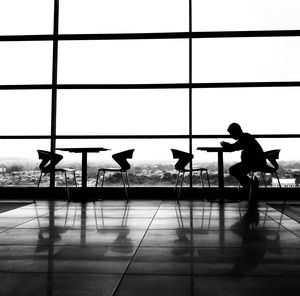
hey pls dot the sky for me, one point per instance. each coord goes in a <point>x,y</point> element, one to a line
<point>258,110</point>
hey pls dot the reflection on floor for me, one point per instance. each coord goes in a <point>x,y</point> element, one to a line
<point>148,248</point>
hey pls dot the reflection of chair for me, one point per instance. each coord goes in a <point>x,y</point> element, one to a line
<point>48,163</point>
<point>183,159</point>
<point>121,160</point>
<point>271,156</point>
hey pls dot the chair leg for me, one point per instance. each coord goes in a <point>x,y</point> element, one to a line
<point>38,184</point>
<point>39,181</point>
<point>74,176</point>
<point>128,183</point>
<point>103,177</point>
<point>278,180</point>
<point>177,179</point>
<point>264,178</point>
<point>181,182</point>
<point>97,178</point>
<point>207,177</point>
<point>201,177</point>
<point>125,188</point>
<point>67,187</point>
<point>279,184</point>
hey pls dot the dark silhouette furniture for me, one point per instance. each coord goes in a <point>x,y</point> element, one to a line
<point>84,152</point>
<point>271,156</point>
<point>219,151</point>
<point>121,159</point>
<point>48,165</point>
<point>184,158</point>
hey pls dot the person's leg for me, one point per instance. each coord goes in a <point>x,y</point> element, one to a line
<point>240,172</point>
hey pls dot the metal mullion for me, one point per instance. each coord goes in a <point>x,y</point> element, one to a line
<point>219,136</point>
<point>154,86</point>
<point>190,89</point>
<point>162,35</point>
<point>54,84</point>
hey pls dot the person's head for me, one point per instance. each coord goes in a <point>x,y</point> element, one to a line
<point>235,130</point>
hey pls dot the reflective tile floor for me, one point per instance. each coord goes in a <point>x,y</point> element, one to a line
<point>148,248</point>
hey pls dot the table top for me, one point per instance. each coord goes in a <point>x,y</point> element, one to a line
<point>83,149</point>
<point>211,149</point>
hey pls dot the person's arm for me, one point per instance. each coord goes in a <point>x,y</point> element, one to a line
<point>232,147</point>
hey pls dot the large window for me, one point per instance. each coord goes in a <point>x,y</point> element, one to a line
<point>123,61</point>
<point>122,112</point>
<point>150,75</point>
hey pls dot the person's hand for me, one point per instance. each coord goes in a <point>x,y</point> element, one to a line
<point>225,145</point>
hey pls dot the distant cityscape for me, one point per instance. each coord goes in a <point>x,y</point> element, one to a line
<point>20,173</point>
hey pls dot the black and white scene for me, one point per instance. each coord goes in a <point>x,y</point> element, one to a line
<point>149,147</point>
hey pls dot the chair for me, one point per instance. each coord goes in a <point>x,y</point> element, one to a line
<point>48,164</point>
<point>271,156</point>
<point>183,159</point>
<point>121,159</point>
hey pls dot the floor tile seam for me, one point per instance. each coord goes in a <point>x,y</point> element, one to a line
<point>223,247</point>
<point>119,208</point>
<point>280,225</point>
<point>47,212</point>
<point>61,272</point>
<point>27,221</point>
<point>68,245</point>
<point>218,248</point>
<point>114,217</point>
<point>211,275</point>
<point>268,230</point>
<point>195,274</point>
<point>135,252</point>
<point>89,228</point>
<point>211,229</point>
<point>155,247</point>
<point>15,227</point>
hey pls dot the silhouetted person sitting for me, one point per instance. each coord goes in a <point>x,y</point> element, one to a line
<point>252,156</point>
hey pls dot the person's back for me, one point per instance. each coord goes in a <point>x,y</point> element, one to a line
<point>252,153</point>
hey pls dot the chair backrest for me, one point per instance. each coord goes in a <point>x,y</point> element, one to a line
<point>49,160</point>
<point>183,158</point>
<point>121,158</point>
<point>271,156</point>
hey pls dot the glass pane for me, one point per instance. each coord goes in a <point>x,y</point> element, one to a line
<point>25,62</point>
<point>119,16</point>
<point>26,17</point>
<point>237,15</point>
<point>257,110</point>
<point>122,112</point>
<point>289,161</point>
<point>25,112</point>
<point>125,61</point>
<point>152,162</point>
<point>246,59</point>
<point>19,162</point>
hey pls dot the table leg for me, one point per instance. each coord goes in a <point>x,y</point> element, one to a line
<point>84,170</point>
<point>220,170</point>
